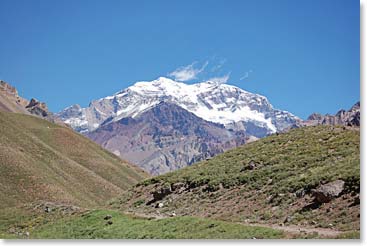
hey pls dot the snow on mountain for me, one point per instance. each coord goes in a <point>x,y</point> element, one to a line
<point>165,138</point>
<point>219,103</point>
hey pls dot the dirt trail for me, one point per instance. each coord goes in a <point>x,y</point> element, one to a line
<point>292,229</point>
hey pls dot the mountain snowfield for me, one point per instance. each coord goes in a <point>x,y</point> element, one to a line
<point>220,103</point>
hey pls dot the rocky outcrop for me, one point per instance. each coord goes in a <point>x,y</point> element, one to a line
<point>40,109</point>
<point>315,116</point>
<point>326,192</point>
<point>342,117</point>
<point>8,89</point>
<point>37,108</point>
<point>165,138</point>
<point>10,101</point>
<point>161,193</point>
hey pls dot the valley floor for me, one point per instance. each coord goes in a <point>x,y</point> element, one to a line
<point>52,221</point>
<point>291,231</point>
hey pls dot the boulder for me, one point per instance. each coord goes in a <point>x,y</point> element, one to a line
<point>107,217</point>
<point>161,193</point>
<point>325,193</point>
<point>178,186</point>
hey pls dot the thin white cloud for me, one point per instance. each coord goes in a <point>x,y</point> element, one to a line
<point>187,73</point>
<point>219,65</point>
<point>221,80</point>
<point>247,74</point>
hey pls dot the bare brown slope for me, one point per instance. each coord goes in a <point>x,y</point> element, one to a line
<point>10,101</point>
<point>40,160</point>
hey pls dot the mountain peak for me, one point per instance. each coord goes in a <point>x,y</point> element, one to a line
<point>157,82</point>
<point>164,80</point>
<point>209,100</point>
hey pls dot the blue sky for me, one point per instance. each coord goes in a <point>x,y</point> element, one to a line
<point>302,55</point>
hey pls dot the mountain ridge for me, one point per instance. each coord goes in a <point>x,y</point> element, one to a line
<point>165,138</point>
<point>219,103</point>
<point>351,117</point>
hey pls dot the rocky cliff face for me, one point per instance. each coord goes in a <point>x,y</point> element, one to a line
<point>165,138</point>
<point>342,117</point>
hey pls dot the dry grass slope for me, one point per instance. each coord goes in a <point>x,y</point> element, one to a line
<point>40,160</point>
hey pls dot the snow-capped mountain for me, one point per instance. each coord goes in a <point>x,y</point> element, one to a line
<point>165,138</point>
<point>220,103</point>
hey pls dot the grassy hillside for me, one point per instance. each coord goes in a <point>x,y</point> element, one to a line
<point>40,160</point>
<point>229,196</point>
<point>268,181</point>
<point>92,224</point>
